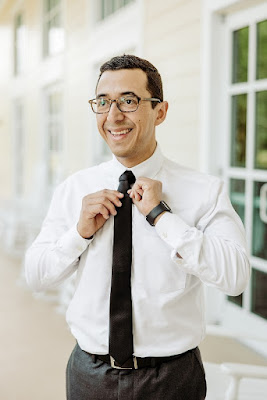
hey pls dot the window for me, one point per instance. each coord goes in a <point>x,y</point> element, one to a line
<point>19,139</point>
<point>54,134</point>
<point>53,36</point>
<point>19,45</point>
<point>246,168</point>
<point>110,6</point>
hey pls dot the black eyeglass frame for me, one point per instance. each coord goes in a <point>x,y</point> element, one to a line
<point>116,101</point>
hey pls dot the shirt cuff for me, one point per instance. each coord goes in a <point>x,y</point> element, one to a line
<point>72,243</point>
<point>170,227</point>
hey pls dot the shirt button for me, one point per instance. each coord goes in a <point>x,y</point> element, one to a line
<point>164,235</point>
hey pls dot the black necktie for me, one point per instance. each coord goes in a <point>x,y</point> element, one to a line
<point>120,330</point>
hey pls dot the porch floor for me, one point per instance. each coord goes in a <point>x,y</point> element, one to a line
<point>36,343</point>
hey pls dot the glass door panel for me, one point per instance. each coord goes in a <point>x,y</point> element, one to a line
<point>239,129</point>
<point>261,130</point>
<point>240,55</point>
<point>259,241</point>
<point>261,70</point>
<point>259,293</point>
<point>237,196</point>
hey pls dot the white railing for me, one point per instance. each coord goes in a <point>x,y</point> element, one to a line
<point>234,381</point>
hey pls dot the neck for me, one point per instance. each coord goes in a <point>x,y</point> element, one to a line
<point>130,163</point>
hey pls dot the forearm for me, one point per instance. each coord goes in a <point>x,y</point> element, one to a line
<point>218,260</point>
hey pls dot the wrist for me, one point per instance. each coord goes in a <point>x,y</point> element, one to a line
<point>84,235</point>
<point>154,215</point>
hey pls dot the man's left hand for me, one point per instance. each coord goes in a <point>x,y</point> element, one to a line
<point>146,194</point>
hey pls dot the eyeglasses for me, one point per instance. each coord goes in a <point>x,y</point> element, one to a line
<point>128,103</point>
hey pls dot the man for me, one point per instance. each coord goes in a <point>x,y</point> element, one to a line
<point>183,233</point>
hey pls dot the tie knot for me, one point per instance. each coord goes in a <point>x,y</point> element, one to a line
<point>127,176</point>
<point>126,179</point>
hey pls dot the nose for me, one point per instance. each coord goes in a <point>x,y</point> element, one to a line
<point>114,113</point>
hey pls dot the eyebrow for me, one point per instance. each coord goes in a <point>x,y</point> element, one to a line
<point>121,94</point>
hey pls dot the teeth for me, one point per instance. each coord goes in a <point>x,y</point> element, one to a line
<point>121,132</point>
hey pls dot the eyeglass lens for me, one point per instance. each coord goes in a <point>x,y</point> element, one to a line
<point>125,104</point>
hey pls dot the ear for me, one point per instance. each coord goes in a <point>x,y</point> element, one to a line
<point>162,109</point>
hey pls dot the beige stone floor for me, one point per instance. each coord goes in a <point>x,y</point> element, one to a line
<point>35,343</point>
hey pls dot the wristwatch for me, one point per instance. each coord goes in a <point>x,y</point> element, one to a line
<point>159,209</point>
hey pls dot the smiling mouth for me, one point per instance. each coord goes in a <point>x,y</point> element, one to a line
<point>120,133</point>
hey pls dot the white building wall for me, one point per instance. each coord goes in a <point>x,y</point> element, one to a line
<point>173,44</point>
<point>6,168</point>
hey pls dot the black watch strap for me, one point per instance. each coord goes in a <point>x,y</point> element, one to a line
<point>159,209</point>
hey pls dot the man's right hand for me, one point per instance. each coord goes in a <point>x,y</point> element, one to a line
<point>96,210</point>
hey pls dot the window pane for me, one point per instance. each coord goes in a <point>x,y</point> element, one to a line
<point>107,8</point>
<point>55,103</point>
<point>19,45</point>
<point>19,148</point>
<point>259,293</point>
<point>110,6</point>
<point>259,248</point>
<point>238,300</point>
<point>239,127</point>
<point>261,130</point>
<point>240,55</point>
<point>55,36</point>
<point>54,39</point>
<point>47,5</point>
<point>54,136</point>
<point>237,196</point>
<point>50,4</point>
<point>261,50</point>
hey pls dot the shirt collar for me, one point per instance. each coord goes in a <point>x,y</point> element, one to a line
<point>148,168</point>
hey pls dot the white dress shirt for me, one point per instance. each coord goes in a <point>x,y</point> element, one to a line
<point>167,291</point>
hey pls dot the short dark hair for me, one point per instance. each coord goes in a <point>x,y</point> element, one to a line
<point>128,61</point>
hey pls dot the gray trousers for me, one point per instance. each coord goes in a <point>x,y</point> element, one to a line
<point>182,378</point>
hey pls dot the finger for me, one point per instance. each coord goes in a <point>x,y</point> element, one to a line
<point>135,201</point>
<point>140,192</point>
<point>112,195</point>
<point>105,212</point>
<point>110,205</point>
<point>137,197</point>
<point>140,182</point>
<point>138,185</point>
<point>93,210</point>
<point>106,198</point>
<point>137,193</point>
<point>101,205</point>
